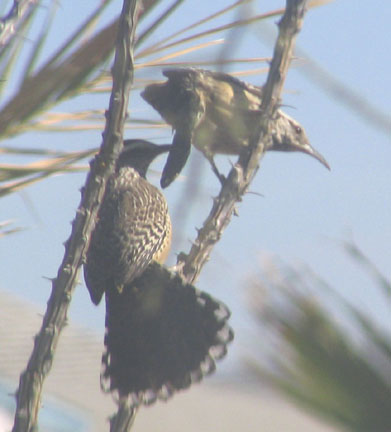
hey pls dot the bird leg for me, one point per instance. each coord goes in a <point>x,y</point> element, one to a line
<point>221,177</point>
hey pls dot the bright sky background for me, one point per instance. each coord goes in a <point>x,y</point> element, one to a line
<point>305,212</point>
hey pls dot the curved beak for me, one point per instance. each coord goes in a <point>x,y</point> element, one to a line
<point>314,153</point>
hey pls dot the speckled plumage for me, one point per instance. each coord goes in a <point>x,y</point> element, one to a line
<point>133,229</point>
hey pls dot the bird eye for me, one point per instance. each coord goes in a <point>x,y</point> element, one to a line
<point>298,130</point>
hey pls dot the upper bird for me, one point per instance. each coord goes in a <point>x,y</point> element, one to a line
<point>161,333</point>
<point>217,113</point>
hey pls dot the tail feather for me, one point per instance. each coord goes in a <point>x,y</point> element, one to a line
<point>161,336</point>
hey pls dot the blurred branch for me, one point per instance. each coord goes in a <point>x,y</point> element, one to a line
<point>10,23</point>
<point>160,46</point>
<point>145,34</point>
<point>345,94</point>
<point>31,173</point>
<point>318,363</point>
<point>241,175</point>
<point>363,260</point>
<point>4,230</point>
<point>39,365</point>
<point>336,88</point>
<point>61,76</point>
<point>51,84</point>
<point>202,21</point>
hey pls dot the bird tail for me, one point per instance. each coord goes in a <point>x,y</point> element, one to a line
<point>161,336</point>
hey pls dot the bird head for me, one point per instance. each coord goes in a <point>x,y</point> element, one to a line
<point>288,136</point>
<point>139,154</point>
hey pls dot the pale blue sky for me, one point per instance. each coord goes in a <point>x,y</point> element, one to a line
<point>305,211</point>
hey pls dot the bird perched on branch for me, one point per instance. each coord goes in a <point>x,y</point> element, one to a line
<point>218,114</point>
<point>161,333</point>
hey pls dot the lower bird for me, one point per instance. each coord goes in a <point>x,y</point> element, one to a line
<point>161,333</point>
<point>218,114</point>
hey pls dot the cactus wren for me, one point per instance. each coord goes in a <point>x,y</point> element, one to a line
<point>217,113</point>
<point>161,333</point>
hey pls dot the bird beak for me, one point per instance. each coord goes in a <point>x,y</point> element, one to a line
<point>312,152</point>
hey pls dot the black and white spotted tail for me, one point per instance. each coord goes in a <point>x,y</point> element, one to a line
<point>161,336</point>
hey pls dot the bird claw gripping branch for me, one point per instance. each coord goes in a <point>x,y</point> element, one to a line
<point>218,114</point>
<point>161,333</point>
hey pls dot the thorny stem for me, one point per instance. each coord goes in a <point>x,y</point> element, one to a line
<point>28,396</point>
<point>189,265</point>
